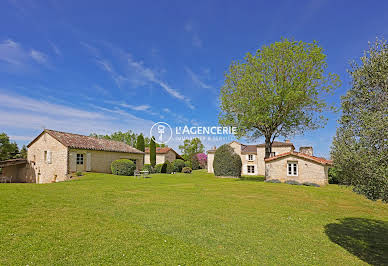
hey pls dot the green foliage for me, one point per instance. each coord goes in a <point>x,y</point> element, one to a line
<point>179,164</point>
<point>8,150</point>
<point>169,168</point>
<point>227,162</point>
<point>188,164</point>
<point>333,176</point>
<point>123,167</point>
<point>158,168</point>
<point>360,147</point>
<point>186,170</point>
<point>140,143</point>
<point>152,152</point>
<point>148,167</point>
<point>191,147</point>
<point>195,165</point>
<point>279,91</point>
<point>128,137</point>
<point>164,168</point>
<point>23,152</point>
<point>78,173</point>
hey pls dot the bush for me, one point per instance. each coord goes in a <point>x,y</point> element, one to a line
<point>164,168</point>
<point>78,173</point>
<point>227,162</point>
<point>169,167</point>
<point>179,164</point>
<point>310,184</point>
<point>273,181</point>
<point>148,167</point>
<point>123,167</point>
<point>333,175</point>
<point>186,170</point>
<point>158,168</point>
<point>292,182</point>
<point>195,162</point>
<point>188,164</point>
<point>202,159</point>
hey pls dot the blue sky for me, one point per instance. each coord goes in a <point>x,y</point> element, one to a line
<point>103,66</point>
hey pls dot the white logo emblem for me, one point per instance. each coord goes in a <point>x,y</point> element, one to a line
<point>161,132</point>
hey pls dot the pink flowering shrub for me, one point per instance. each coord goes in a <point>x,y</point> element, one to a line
<point>202,159</point>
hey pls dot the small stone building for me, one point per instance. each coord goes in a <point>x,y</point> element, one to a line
<point>299,166</point>
<point>162,155</point>
<point>53,156</point>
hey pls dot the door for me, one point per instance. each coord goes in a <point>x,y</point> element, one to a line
<point>80,162</point>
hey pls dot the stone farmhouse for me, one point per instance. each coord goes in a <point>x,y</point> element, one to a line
<point>162,155</point>
<point>284,164</point>
<point>53,156</point>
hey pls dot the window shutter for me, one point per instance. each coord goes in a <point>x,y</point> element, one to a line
<point>254,157</point>
<point>49,156</point>
<point>72,161</point>
<point>247,157</point>
<point>88,161</point>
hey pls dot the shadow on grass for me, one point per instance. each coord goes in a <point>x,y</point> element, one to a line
<point>252,178</point>
<point>365,238</point>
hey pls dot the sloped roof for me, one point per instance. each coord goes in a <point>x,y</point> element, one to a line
<point>319,160</point>
<point>248,148</point>
<point>77,141</point>
<point>163,150</point>
<point>278,144</point>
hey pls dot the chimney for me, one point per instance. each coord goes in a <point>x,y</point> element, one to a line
<point>287,141</point>
<point>215,148</point>
<point>306,150</point>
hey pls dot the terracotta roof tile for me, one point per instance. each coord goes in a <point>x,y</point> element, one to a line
<point>301,155</point>
<point>277,144</point>
<point>89,143</point>
<point>163,150</point>
<point>248,148</point>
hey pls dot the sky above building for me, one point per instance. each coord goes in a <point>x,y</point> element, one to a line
<point>104,66</point>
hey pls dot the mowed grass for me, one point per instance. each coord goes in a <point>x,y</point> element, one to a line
<point>185,219</point>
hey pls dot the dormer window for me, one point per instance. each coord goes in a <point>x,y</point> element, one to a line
<point>250,157</point>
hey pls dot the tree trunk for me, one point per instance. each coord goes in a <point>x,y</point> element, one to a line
<point>268,147</point>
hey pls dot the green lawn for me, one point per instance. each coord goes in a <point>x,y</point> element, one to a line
<point>188,219</point>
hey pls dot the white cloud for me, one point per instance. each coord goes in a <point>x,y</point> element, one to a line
<point>195,39</point>
<point>195,78</point>
<point>55,49</point>
<point>14,55</point>
<point>134,72</point>
<point>39,57</point>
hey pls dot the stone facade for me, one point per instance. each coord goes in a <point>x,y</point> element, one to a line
<point>49,160</point>
<point>307,170</point>
<point>162,155</point>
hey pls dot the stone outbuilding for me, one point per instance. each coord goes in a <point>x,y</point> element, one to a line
<point>53,156</point>
<point>163,154</point>
<point>299,166</point>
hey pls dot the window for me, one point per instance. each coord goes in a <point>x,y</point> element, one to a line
<point>250,157</point>
<point>80,158</point>
<point>292,169</point>
<point>47,157</point>
<point>251,169</point>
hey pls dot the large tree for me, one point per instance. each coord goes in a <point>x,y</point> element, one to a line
<point>140,143</point>
<point>360,147</point>
<point>191,148</point>
<point>279,91</point>
<point>8,150</point>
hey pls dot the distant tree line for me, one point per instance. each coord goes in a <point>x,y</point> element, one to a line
<point>131,138</point>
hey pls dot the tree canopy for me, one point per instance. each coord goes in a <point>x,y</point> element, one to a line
<point>191,147</point>
<point>360,147</point>
<point>278,91</point>
<point>8,150</point>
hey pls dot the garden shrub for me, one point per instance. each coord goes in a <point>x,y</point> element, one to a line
<point>333,175</point>
<point>123,167</point>
<point>292,182</point>
<point>169,168</point>
<point>186,170</point>
<point>202,159</point>
<point>78,173</point>
<point>158,168</point>
<point>273,181</point>
<point>164,168</point>
<point>310,184</point>
<point>148,167</point>
<point>227,162</point>
<point>179,164</point>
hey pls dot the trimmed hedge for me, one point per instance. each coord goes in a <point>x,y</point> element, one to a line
<point>186,170</point>
<point>123,167</point>
<point>179,164</point>
<point>227,162</point>
<point>158,168</point>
